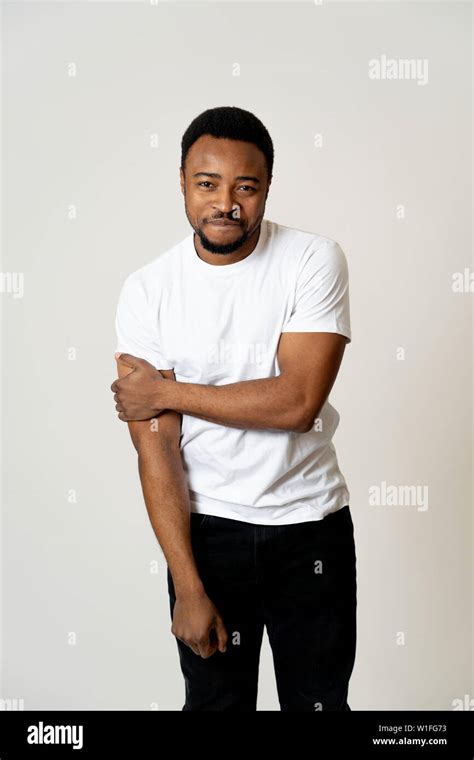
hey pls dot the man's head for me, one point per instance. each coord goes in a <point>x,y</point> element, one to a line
<point>226,170</point>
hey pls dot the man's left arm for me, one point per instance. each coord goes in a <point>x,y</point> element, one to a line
<point>291,401</point>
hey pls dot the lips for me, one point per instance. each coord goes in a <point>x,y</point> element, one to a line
<point>223,223</point>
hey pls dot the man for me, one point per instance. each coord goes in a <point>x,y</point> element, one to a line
<point>229,344</point>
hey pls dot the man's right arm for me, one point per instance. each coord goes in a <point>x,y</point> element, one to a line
<point>165,490</point>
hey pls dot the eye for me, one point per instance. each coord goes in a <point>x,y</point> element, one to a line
<point>204,182</point>
<point>248,187</point>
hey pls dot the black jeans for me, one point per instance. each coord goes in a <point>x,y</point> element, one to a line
<point>297,580</point>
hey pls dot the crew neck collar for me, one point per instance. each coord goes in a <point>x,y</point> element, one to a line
<point>221,270</point>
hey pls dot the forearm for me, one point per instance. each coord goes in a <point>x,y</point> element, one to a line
<point>267,403</point>
<point>166,497</point>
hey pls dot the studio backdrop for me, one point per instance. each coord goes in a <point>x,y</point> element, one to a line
<point>369,106</point>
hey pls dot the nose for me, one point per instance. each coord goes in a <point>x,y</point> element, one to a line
<point>224,201</point>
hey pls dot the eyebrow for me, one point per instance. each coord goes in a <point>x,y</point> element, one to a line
<point>218,176</point>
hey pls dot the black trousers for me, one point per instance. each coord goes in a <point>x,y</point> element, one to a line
<point>299,581</point>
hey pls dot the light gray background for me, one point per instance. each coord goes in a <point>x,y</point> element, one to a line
<point>85,620</point>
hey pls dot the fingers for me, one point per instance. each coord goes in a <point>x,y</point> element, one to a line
<point>128,360</point>
<point>194,648</point>
<point>216,640</point>
<point>201,648</point>
<point>221,634</point>
<point>207,648</point>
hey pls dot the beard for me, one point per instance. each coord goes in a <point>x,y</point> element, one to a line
<point>220,247</point>
<point>208,245</point>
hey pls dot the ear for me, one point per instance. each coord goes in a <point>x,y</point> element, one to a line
<point>181,179</point>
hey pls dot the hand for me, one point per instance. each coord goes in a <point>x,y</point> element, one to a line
<point>198,624</point>
<point>136,394</point>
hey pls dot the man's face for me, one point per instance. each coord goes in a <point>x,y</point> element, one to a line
<point>224,181</point>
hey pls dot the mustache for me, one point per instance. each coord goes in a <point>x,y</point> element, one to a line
<point>224,218</point>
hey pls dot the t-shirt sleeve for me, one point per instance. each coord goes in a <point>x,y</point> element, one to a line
<point>134,327</point>
<point>321,302</point>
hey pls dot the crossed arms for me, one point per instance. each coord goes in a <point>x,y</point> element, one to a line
<point>308,362</point>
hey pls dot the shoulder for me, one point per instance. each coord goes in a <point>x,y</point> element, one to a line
<point>306,247</point>
<point>157,273</point>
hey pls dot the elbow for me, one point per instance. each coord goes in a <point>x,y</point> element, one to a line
<point>304,427</point>
<point>304,421</point>
<point>303,414</point>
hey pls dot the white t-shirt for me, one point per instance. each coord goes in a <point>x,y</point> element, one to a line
<point>218,324</point>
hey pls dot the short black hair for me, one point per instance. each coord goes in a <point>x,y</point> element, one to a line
<point>232,123</point>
